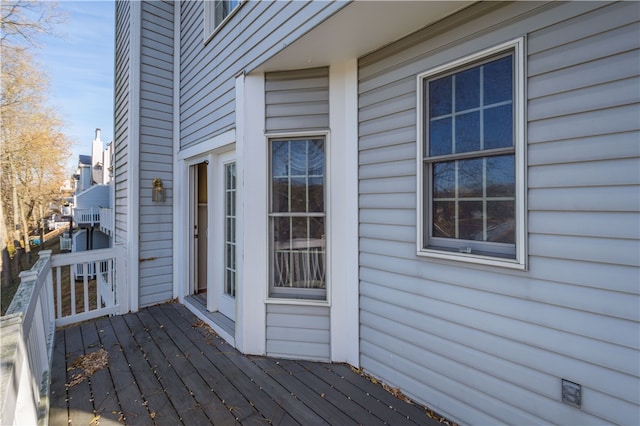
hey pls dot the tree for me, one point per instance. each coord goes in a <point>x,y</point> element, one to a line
<point>28,126</point>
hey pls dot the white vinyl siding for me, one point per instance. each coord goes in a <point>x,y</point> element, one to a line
<point>156,153</point>
<point>121,115</point>
<point>487,345</point>
<point>298,332</point>
<point>257,31</point>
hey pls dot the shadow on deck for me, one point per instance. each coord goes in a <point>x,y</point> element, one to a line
<point>163,366</point>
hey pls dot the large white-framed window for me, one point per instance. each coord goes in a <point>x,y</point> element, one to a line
<point>216,12</point>
<point>471,158</point>
<point>297,217</point>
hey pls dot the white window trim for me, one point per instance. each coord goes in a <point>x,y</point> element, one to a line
<point>520,160</point>
<point>284,300</point>
<point>209,8</point>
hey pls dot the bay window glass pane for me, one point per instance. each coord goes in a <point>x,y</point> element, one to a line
<point>298,194</point>
<point>468,132</point>
<point>315,157</point>
<point>440,96</point>
<point>316,194</point>
<point>280,194</point>
<point>279,158</point>
<point>468,89</point>
<point>298,157</point>
<point>282,233</point>
<point>444,219</point>
<point>498,127</point>
<point>440,137</point>
<point>470,177</point>
<point>497,81</point>
<point>444,179</point>
<point>470,220</point>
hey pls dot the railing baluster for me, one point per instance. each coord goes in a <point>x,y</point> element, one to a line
<point>58,292</point>
<point>72,285</point>
<point>85,285</point>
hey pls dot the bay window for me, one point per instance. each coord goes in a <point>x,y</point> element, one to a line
<point>297,218</point>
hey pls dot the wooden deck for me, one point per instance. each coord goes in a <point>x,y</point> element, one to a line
<point>164,367</point>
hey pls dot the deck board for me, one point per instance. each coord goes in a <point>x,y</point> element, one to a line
<point>166,368</point>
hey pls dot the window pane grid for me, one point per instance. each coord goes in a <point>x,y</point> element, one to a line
<point>230,261</point>
<point>470,155</point>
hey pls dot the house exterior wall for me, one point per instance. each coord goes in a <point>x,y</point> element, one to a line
<point>488,345</point>
<point>94,197</point>
<point>121,117</point>
<point>257,31</point>
<point>156,152</point>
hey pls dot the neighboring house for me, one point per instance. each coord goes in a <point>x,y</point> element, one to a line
<point>91,209</point>
<point>445,194</point>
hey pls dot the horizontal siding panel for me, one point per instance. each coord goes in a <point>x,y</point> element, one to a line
<point>405,151</point>
<point>612,120</point>
<point>320,95</point>
<point>388,138</point>
<point>391,121</point>
<point>563,282</point>
<point>465,311</point>
<point>591,224</point>
<point>300,320</point>
<point>290,334</point>
<point>474,378</point>
<point>583,26</point>
<point>592,98</point>
<point>608,43</point>
<point>388,169</point>
<point>602,199</point>
<point>298,350</point>
<point>297,100</point>
<point>603,147</point>
<point>604,250</point>
<point>584,75</point>
<point>586,174</point>
<point>400,233</point>
<point>296,331</point>
<point>391,216</point>
<point>557,319</point>
<point>406,102</point>
<point>398,200</point>
<point>390,184</point>
<point>301,122</point>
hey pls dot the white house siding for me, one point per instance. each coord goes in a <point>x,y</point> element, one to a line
<point>298,331</point>
<point>255,33</point>
<point>486,345</point>
<point>121,115</point>
<point>297,101</point>
<point>156,152</point>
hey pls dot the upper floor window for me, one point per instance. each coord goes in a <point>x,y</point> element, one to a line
<point>216,11</point>
<point>472,159</point>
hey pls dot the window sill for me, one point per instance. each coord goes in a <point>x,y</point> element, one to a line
<point>474,259</point>
<point>299,302</point>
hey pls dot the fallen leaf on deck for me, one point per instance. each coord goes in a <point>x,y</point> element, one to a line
<point>89,364</point>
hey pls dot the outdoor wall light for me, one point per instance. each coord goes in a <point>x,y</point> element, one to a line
<point>157,190</point>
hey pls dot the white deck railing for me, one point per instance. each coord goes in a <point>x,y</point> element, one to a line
<point>86,216</point>
<point>27,344</point>
<point>49,296</point>
<point>106,220</point>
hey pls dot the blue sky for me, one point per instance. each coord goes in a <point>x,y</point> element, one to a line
<point>79,63</point>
